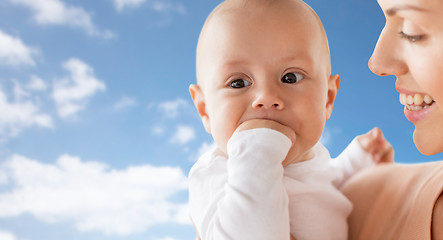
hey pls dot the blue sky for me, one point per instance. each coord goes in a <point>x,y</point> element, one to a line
<point>97,129</point>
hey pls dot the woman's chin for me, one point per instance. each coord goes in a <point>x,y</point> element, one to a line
<point>426,144</point>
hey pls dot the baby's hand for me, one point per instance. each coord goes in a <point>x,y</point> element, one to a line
<point>375,144</point>
<point>263,123</point>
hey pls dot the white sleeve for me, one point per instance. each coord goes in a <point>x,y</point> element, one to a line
<point>353,159</point>
<point>246,199</point>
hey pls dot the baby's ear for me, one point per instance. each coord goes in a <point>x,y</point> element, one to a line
<point>333,85</point>
<point>199,101</point>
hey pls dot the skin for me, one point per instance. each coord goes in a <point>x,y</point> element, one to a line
<point>437,219</point>
<point>410,47</point>
<point>257,45</point>
<point>375,144</point>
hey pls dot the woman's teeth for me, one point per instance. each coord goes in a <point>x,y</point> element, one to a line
<point>416,101</point>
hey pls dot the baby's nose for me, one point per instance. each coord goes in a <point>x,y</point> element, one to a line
<point>268,100</point>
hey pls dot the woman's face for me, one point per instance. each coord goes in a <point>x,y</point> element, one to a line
<point>410,47</point>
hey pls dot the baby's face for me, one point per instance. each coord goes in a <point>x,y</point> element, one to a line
<point>273,65</point>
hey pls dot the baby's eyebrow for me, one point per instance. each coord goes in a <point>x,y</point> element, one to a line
<point>393,11</point>
<point>229,65</point>
<point>234,63</point>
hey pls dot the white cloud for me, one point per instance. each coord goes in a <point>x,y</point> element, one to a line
<point>56,12</point>
<point>36,84</point>
<point>166,238</point>
<point>4,235</point>
<point>166,7</point>
<point>171,109</point>
<point>19,92</point>
<point>92,195</point>
<point>325,138</point>
<point>328,134</point>
<point>125,102</point>
<point>158,130</point>
<point>71,93</point>
<point>183,135</point>
<point>14,52</point>
<point>19,114</point>
<point>161,6</point>
<point>122,4</point>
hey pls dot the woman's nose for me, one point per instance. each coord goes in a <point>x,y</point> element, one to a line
<point>268,98</point>
<point>387,56</point>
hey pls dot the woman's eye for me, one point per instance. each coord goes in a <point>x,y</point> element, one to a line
<point>411,38</point>
<point>292,78</point>
<point>240,83</point>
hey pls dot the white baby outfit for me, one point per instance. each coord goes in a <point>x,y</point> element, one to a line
<point>251,195</point>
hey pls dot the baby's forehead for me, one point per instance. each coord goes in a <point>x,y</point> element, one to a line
<point>240,16</point>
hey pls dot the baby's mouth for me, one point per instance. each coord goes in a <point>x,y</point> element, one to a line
<point>417,101</point>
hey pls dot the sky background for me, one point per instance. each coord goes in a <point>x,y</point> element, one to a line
<point>97,129</point>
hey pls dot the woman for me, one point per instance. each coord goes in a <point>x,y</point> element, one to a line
<point>399,201</point>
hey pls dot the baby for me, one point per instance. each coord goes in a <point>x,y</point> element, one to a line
<point>264,92</point>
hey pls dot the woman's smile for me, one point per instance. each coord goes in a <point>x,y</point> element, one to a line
<point>417,105</point>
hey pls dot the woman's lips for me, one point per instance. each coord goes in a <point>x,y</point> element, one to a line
<point>417,105</point>
<point>417,115</point>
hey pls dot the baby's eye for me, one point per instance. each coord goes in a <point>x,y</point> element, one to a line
<point>239,83</point>
<point>292,77</point>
